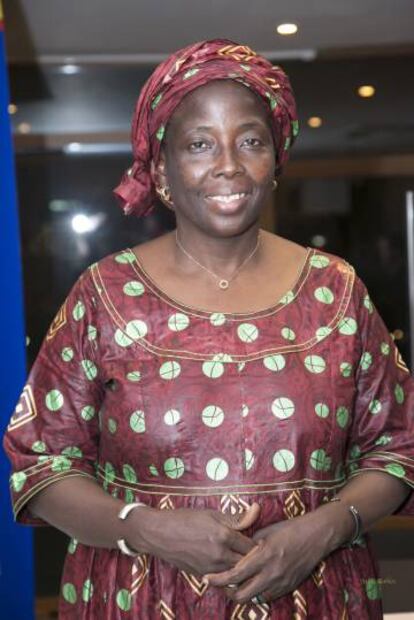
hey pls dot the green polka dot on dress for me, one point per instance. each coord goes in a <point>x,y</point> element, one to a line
<point>324,295</point>
<point>171,417</point>
<point>133,288</point>
<point>174,467</point>
<point>217,319</point>
<point>283,407</point>
<point>322,332</point>
<point>283,460</point>
<point>67,354</point>
<point>213,369</point>
<point>212,416</point>
<point>73,452</point>
<point>90,369</point>
<point>348,326</point>
<point>288,333</point>
<point>110,474</point>
<point>399,394</point>
<point>69,593</point>
<point>18,480</point>
<point>322,410</point>
<point>375,406</point>
<point>217,469</point>
<point>342,416</point>
<point>345,369</point>
<point>92,332</point>
<point>54,400</point>
<point>87,591</point>
<point>88,412</point>
<point>315,364</point>
<point>319,261</point>
<point>78,311</point>
<point>123,599</point>
<point>248,459</point>
<point>61,464</point>
<point>125,257</point>
<point>170,370</point>
<point>178,322</point>
<point>274,362</point>
<point>137,421</point>
<point>247,332</point>
<point>39,446</point>
<point>129,473</point>
<point>366,360</point>
<point>320,461</point>
<point>395,469</point>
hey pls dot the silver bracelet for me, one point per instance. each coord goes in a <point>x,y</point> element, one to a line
<point>121,542</point>
<point>357,521</point>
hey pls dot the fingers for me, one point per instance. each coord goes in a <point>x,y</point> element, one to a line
<point>240,543</point>
<point>244,569</point>
<point>248,518</point>
<point>249,590</point>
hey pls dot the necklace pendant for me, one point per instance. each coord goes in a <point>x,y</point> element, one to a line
<point>224,284</point>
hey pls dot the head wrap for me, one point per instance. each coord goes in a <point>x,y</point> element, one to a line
<point>182,73</point>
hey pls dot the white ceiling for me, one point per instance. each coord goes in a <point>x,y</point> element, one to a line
<point>121,30</point>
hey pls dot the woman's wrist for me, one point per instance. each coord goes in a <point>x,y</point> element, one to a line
<point>134,528</point>
<point>336,525</point>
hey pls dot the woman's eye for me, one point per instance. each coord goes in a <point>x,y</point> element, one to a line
<point>198,145</point>
<point>252,142</point>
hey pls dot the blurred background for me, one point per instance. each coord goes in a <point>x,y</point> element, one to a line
<point>75,70</point>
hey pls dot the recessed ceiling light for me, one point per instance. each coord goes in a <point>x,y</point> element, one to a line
<point>69,69</point>
<point>12,108</point>
<point>73,147</point>
<point>366,90</point>
<point>286,29</point>
<point>24,128</point>
<point>314,122</point>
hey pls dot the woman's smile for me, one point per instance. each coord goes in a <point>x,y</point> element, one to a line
<point>227,203</point>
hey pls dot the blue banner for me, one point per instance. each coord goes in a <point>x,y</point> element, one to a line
<point>16,553</point>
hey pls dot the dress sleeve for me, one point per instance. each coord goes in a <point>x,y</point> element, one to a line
<point>382,432</point>
<point>54,431</point>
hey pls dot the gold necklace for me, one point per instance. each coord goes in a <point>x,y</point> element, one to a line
<point>222,282</point>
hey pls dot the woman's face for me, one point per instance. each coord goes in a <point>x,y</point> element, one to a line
<point>219,158</point>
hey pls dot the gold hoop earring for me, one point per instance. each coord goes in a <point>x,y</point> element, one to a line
<point>274,184</point>
<point>165,196</point>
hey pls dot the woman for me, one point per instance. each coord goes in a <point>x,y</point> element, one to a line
<point>215,416</point>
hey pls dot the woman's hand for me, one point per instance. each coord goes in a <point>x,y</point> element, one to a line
<point>196,541</point>
<point>285,555</point>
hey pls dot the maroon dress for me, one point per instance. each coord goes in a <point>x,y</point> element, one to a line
<point>178,407</point>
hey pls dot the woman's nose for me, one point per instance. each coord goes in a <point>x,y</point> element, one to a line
<point>228,162</point>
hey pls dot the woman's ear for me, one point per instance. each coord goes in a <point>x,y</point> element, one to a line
<point>158,172</point>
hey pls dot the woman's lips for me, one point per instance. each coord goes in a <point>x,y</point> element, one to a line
<point>227,203</point>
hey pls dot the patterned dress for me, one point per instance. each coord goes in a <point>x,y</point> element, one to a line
<point>179,407</point>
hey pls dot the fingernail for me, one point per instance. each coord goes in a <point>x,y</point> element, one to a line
<point>205,580</point>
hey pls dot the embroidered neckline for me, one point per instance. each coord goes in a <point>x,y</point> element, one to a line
<point>293,292</point>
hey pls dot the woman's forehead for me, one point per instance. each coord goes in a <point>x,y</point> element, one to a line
<point>226,94</point>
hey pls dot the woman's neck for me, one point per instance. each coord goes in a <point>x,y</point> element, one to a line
<point>220,255</point>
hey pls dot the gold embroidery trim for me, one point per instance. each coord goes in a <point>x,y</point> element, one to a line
<point>182,354</point>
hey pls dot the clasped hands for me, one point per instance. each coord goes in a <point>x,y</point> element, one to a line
<point>284,554</point>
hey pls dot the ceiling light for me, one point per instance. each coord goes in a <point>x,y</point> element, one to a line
<point>73,147</point>
<point>69,69</point>
<point>12,108</point>
<point>366,91</point>
<point>24,127</point>
<point>287,29</point>
<point>82,223</point>
<point>314,122</point>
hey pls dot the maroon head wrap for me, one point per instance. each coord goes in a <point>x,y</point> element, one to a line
<point>174,78</point>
